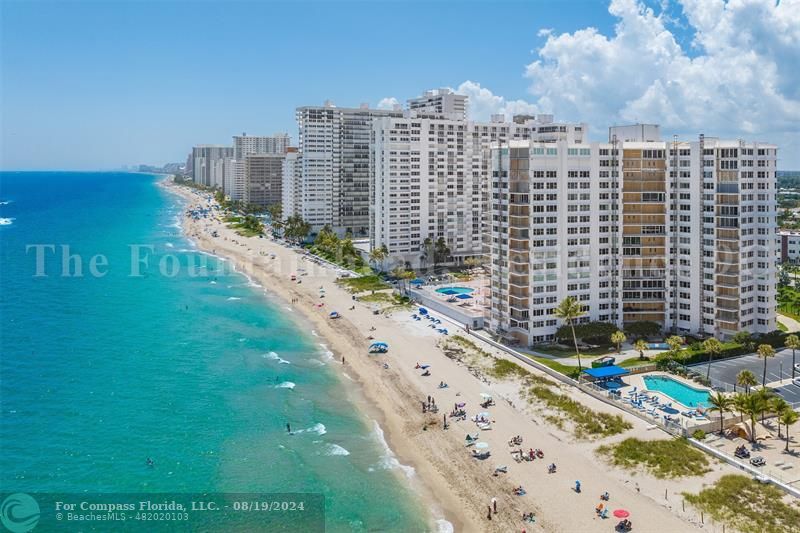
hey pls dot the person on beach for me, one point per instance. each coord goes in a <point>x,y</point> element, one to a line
<point>578,486</point>
<point>342,359</point>
<point>288,428</point>
<point>494,505</point>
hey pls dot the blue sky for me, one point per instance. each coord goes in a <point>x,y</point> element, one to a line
<point>102,84</point>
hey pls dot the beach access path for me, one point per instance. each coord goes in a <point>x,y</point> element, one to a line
<point>457,487</point>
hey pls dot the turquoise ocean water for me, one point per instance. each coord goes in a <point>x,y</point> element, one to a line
<point>195,372</point>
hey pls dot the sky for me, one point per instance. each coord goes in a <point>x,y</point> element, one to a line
<point>98,85</point>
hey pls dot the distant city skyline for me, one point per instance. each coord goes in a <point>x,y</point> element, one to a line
<point>102,85</point>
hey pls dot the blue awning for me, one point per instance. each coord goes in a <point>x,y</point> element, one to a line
<point>606,371</point>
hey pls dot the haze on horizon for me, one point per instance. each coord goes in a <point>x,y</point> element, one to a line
<point>100,85</point>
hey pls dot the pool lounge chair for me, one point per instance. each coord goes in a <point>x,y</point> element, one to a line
<point>632,391</point>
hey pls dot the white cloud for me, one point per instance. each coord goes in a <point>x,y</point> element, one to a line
<point>483,103</point>
<point>388,103</point>
<point>742,78</point>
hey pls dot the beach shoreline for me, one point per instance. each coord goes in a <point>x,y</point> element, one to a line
<point>442,517</point>
<point>457,487</point>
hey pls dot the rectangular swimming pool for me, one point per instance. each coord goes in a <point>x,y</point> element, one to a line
<point>454,290</point>
<point>678,391</point>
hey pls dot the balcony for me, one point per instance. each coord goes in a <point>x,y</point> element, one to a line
<point>516,245</point>
<point>730,282</point>
<point>518,281</point>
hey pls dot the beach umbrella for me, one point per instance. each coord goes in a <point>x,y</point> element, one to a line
<point>482,446</point>
<point>621,513</point>
<point>423,311</point>
<point>484,415</point>
<point>486,396</point>
<point>424,366</point>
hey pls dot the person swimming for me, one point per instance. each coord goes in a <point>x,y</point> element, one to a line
<point>288,428</point>
<point>150,462</point>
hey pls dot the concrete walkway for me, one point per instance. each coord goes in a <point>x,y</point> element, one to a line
<point>791,324</point>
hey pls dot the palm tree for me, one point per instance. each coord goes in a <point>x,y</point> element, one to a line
<point>640,346</point>
<point>765,396</point>
<point>675,344</point>
<point>569,310</point>
<point>752,404</point>
<point>618,338</point>
<point>720,402</point>
<point>778,405</point>
<point>787,418</point>
<point>765,351</point>
<point>713,347</point>
<point>746,379</point>
<point>793,342</point>
<point>739,401</point>
<point>441,251</point>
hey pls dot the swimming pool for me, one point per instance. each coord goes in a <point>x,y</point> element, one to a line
<point>678,391</point>
<point>454,290</point>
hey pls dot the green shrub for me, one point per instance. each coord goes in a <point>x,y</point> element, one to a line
<point>663,458</point>
<point>746,505</point>
<point>699,434</point>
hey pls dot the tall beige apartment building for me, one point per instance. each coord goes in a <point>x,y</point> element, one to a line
<point>679,233</point>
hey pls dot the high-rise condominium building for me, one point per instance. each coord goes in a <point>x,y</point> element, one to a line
<point>636,229</point>
<point>431,182</point>
<point>335,173</point>
<point>291,193</point>
<point>244,144</point>
<point>442,103</point>
<point>264,176</point>
<point>236,180</point>
<point>209,163</point>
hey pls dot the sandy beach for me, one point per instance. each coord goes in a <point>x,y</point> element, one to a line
<point>457,487</point>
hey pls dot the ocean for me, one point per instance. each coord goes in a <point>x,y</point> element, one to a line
<point>199,371</point>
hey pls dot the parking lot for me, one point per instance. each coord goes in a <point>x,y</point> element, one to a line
<point>778,367</point>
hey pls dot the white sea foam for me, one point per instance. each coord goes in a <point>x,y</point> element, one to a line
<point>335,449</point>
<point>213,282</point>
<point>233,298</point>
<point>6,221</point>
<point>242,339</point>
<point>169,245</point>
<point>389,460</point>
<point>314,333</point>
<point>443,526</point>
<point>285,385</point>
<point>317,428</point>
<point>5,202</point>
<point>275,357</point>
<point>327,355</point>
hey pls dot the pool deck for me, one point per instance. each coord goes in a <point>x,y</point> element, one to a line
<point>637,380</point>
<point>469,311</point>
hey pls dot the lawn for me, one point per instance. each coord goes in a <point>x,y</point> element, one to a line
<point>662,458</point>
<point>747,505</point>
<point>781,326</point>
<point>558,351</point>
<point>364,283</point>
